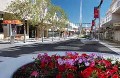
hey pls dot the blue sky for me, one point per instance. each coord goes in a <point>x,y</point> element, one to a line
<point>72,8</point>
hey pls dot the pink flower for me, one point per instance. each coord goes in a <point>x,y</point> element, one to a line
<point>35,74</point>
<point>92,64</point>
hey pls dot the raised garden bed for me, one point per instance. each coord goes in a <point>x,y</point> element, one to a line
<point>70,65</point>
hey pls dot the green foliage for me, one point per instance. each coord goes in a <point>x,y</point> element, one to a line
<point>9,16</point>
<point>20,8</point>
<point>41,13</point>
<point>94,74</point>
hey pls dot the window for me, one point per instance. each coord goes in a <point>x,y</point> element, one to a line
<point>1,27</point>
<point>118,4</point>
<point>20,29</point>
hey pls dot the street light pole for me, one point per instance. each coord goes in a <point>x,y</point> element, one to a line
<point>86,29</point>
<point>25,25</point>
<point>80,16</point>
<point>98,16</point>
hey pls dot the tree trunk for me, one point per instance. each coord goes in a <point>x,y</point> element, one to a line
<point>36,33</point>
<point>59,35</point>
<point>53,35</point>
<point>46,33</point>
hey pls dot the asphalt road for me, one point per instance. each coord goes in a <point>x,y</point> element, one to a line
<point>70,45</point>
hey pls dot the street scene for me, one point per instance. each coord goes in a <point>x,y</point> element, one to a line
<point>54,39</point>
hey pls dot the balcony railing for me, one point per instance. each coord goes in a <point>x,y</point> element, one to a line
<point>115,6</point>
<point>106,19</point>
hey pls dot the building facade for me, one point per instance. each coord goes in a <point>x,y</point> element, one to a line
<point>3,5</point>
<point>31,31</point>
<point>72,28</point>
<point>7,30</point>
<point>110,24</point>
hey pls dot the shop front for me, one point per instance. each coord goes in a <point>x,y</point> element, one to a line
<point>117,31</point>
<point>12,28</point>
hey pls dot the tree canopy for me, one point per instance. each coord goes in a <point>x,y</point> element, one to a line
<point>37,11</point>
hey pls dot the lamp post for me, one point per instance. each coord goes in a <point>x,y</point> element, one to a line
<point>97,15</point>
<point>80,17</point>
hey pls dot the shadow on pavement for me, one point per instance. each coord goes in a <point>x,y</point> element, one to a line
<point>70,45</point>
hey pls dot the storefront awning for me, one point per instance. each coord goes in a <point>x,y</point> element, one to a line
<point>12,22</point>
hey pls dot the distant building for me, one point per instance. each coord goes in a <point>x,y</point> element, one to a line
<point>72,28</point>
<point>86,30</point>
<point>3,30</point>
<point>7,30</point>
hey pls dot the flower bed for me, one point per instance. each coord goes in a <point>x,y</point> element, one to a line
<point>72,65</point>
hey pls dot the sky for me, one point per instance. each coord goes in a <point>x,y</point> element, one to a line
<point>72,8</point>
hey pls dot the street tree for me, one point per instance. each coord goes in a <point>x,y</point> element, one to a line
<point>40,13</point>
<point>58,18</point>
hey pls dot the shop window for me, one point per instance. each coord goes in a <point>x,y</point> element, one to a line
<point>20,29</point>
<point>1,27</point>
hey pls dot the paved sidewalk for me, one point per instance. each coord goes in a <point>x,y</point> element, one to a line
<point>112,45</point>
<point>6,44</point>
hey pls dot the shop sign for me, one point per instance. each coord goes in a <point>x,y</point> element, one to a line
<point>116,24</point>
<point>12,22</point>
